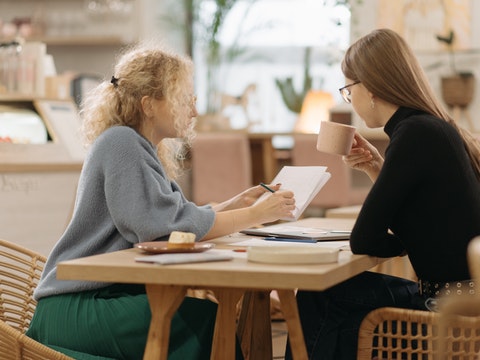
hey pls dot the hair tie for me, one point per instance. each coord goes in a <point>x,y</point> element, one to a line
<point>114,81</point>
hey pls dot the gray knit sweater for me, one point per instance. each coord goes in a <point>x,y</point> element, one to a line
<point>124,197</point>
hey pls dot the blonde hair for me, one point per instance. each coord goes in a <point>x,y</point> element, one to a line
<point>385,64</point>
<point>143,70</point>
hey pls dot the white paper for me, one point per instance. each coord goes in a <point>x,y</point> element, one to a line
<point>304,181</point>
<point>182,258</point>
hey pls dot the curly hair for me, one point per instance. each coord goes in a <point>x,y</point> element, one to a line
<point>144,69</point>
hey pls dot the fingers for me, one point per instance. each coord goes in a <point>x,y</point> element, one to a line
<point>283,198</point>
<point>287,200</point>
<point>363,156</point>
<point>266,187</point>
<point>359,139</point>
<point>357,157</point>
<point>286,194</point>
<point>279,204</point>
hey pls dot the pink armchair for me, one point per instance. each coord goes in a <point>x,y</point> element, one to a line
<point>221,166</point>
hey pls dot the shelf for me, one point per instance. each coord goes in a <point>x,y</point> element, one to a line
<point>21,98</point>
<point>64,150</point>
<point>81,40</point>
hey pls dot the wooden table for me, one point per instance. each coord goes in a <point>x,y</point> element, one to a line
<point>167,285</point>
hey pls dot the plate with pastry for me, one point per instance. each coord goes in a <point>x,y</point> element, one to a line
<point>178,242</point>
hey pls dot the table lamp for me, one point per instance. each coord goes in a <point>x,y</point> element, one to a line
<point>315,108</point>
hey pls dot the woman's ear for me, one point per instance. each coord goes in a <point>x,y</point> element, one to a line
<point>146,102</point>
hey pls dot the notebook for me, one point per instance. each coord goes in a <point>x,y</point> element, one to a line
<point>285,232</point>
<point>304,181</point>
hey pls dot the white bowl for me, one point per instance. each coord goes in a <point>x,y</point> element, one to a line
<point>292,255</point>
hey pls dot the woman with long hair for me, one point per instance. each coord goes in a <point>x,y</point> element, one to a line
<point>424,202</point>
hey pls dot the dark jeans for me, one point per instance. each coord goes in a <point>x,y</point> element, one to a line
<point>331,318</point>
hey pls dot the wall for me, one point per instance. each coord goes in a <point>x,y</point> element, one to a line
<point>364,19</point>
<point>145,21</point>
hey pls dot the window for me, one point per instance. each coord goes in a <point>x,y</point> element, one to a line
<point>265,40</point>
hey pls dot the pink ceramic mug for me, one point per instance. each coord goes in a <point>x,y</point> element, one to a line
<point>335,138</point>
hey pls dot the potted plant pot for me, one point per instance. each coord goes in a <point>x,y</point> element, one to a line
<point>458,90</point>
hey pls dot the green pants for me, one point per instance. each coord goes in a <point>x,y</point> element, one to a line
<point>113,323</point>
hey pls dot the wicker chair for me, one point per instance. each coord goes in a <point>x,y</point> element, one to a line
<point>392,333</point>
<point>20,271</point>
<point>453,333</point>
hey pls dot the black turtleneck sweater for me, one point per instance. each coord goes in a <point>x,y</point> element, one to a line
<point>426,200</point>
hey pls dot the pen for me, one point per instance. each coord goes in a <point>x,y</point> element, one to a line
<point>266,187</point>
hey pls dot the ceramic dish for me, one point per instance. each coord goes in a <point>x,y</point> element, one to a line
<point>161,247</point>
<point>292,255</point>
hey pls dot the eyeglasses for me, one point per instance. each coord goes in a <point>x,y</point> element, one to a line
<point>345,92</point>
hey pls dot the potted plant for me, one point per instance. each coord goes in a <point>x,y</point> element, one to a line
<point>292,99</point>
<point>457,88</point>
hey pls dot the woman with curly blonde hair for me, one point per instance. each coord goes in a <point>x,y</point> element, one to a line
<point>127,195</point>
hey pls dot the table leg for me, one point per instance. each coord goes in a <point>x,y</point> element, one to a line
<point>223,346</point>
<point>288,304</point>
<point>254,328</point>
<point>164,301</point>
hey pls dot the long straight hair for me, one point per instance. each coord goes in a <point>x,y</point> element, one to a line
<point>386,65</point>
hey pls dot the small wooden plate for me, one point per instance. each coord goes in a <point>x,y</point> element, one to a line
<point>161,247</point>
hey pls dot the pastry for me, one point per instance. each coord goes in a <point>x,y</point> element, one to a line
<point>181,240</point>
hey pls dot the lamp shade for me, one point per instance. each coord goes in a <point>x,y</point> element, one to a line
<point>315,108</point>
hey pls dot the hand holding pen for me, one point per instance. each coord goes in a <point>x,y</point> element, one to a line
<point>246,198</point>
<point>268,188</point>
<point>280,204</point>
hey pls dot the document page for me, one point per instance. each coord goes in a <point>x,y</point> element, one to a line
<point>304,181</point>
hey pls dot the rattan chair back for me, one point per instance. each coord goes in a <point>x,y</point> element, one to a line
<point>459,329</point>
<point>20,270</point>
<point>474,259</point>
<point>451,334</point>
<point>393,333</point>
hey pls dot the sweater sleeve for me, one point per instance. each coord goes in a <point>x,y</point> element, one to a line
<point>143,203</point>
